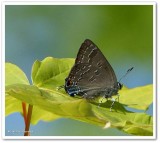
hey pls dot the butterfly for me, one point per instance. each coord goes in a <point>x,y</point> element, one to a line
<point>92,75</point>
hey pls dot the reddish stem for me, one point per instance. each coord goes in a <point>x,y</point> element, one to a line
<point>24,112</point>
<point>29,115</point>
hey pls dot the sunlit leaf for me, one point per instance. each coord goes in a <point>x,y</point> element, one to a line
<point>13,75</point>
<point>50,73</point>
<point>138,98</point>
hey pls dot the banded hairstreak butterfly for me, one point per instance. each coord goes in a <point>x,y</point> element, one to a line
<point>92,76</point>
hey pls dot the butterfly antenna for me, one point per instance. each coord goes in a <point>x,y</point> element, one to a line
<point>128,71</point>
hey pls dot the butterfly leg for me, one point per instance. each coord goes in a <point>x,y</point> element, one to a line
<point>113,101</point>
<point>117,97</point>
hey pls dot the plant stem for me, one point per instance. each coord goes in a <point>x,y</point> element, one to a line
<point>29,115</point>
<point>24,112</point>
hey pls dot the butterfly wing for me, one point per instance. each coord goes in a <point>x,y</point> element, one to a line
<point>91,72</point>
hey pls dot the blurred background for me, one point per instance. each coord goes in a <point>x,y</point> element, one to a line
<point>123,33</point>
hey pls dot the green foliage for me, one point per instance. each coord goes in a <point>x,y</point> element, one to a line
<point>138,98</point>
<point>14,75</point>
<point>50,103</point>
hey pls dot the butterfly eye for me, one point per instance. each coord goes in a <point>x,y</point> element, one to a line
<point>69,82</point>
<point>119,85</point>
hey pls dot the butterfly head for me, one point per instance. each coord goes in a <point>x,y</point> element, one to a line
<point>119,85</point>
<point>70,87</point>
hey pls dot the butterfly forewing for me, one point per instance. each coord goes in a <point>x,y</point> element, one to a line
<point>91,72</point>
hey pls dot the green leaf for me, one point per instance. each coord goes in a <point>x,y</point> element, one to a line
<point>79,109</point>
<point>138,98</point>
<point>50,73</point>
<point>129,122</point>
<point>13,105</point>
<point>41,114</point>
<point>14,74</point>
<point>50,101</point>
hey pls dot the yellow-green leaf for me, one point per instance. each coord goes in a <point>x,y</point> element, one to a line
<point>138,98</point>
<point>13,75</point>
<point>50,73</point>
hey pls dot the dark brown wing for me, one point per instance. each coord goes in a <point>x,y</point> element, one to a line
<point>91,69</point>
<point>91,59</point>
